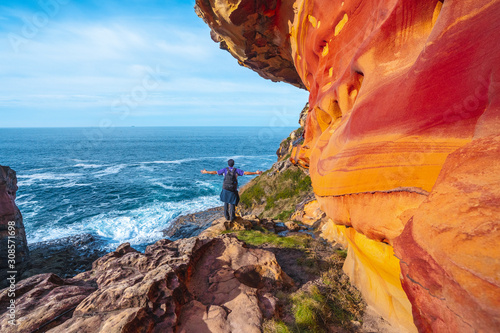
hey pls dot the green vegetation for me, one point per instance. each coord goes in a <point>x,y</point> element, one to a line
<point>290,184</point>
<point>255,192</point>
<point>330,302</point>
<point>342,253</point>
<point>333,302</point>
<point>275,194</point>
<point>275,326</point>
<point>299,131</point>
<point>262,236</point>
<point>309,310</point>
<point>287,156</point>
<point>284,215</point>
<point>315,310</point>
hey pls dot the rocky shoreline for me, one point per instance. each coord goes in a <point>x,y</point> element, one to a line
<point>214,282</point>
<point>69,256</point>
<point>191,225</point>
<point>64,257</point>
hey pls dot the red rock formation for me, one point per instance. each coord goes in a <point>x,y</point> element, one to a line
<point>255,33</point>
<point>10,216</point>
<point>449,248</point>
<point>395,88</point>
<point>191,285</point>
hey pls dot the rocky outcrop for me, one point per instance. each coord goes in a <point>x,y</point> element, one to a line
<point>283,187</point>
<point>401,92</point>
<point>13,245</point>
<point>191,285</point>
<point>294,139</point>
<point>255,33</point>
<point>192,225</point>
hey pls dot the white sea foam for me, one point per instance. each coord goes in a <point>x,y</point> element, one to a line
<point>184,160</point>
<point>168,187</point>
<point>67,185</point>
<point>28,206</point>
<point>81,161</point>
<point>112,170</point>
<point>19,197</point>
<point>27,199</point>
<point>64,216</point>
<point>204,183</point>
<point>142,166</point>
<point>30,210</point>
<point>88,166</point>
<point>137,226</point>
<point>28,180</point>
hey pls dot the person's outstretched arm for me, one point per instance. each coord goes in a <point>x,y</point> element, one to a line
<point>209,172</point>
<point>258,172</point>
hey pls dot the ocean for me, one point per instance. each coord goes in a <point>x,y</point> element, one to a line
<point>125,184</point>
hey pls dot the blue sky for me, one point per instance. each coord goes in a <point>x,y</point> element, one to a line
<point>66,63</point>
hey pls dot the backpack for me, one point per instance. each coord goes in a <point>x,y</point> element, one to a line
<point>230,180</point>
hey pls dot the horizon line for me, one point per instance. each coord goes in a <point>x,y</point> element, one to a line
<point>146,126</point>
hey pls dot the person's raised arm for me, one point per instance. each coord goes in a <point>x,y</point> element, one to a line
<point>258,172</point>
<point>209,172</point>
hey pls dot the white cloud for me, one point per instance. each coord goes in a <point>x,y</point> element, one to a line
<point>78,65</point>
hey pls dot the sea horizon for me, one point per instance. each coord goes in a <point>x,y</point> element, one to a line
<point>154,126</point>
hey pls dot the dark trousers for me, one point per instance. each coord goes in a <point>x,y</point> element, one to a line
<point>229,211</point>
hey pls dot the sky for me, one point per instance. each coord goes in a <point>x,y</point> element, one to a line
<point>90,63</point>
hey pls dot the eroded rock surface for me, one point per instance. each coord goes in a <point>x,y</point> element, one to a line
<point>449,250</point>
<point>191,285</point>
<point>10,216</point>
<point>255,33</point>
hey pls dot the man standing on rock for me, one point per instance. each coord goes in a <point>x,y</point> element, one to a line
<point>229,194</point>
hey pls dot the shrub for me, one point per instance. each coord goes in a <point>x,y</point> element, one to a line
<point>251,194</point>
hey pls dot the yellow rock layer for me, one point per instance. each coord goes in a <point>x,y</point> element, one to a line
<point>375,271</point>
<point>372,268</point>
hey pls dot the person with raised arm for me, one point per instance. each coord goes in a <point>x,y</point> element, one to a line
<point>229,194</point>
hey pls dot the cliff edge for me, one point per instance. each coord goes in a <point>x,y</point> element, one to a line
<point>13,244</point>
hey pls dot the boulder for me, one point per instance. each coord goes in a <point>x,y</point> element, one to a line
<point>292,226</point>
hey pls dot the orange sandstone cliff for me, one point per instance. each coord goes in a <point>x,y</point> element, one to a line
<point>401,141</point>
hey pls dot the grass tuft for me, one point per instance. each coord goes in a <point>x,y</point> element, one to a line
<point>259,237</point>
<point>308,308</point>
<point>275,326</point>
